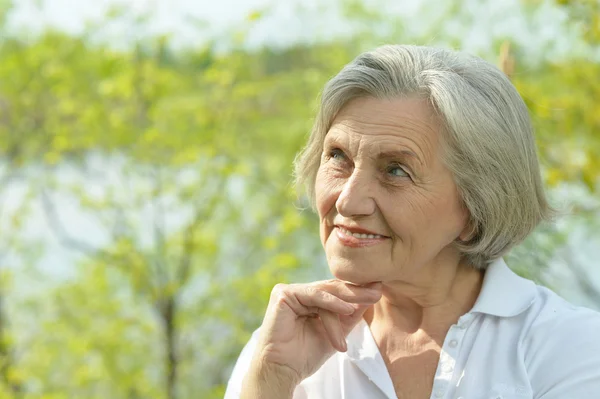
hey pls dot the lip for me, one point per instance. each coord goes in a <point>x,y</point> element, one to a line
<point>355,242</point>
<point>359,230</point>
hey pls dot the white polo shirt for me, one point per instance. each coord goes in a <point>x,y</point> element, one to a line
<point>520,340</point>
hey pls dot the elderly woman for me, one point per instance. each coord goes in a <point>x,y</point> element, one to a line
<point>423,170</point>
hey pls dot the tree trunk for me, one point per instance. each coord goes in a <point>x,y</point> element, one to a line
<point>168,314</point>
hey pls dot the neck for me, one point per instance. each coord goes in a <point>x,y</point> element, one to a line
<point>427,305</point>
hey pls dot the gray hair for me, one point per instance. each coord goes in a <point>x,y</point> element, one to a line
<point>488,140</point>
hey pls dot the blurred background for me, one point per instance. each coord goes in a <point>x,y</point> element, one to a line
<point>146,151</point>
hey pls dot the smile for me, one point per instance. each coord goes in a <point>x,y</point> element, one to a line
<point>357,240</point>
<point>358,235</point>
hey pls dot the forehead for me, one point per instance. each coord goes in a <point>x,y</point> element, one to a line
<point>380,123</point>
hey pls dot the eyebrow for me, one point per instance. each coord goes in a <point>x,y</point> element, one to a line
<point>400,154</point>
<point>333,140</point>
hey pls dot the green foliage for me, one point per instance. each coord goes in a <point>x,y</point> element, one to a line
<point>181,162</point>
<point>111,346</point>
<point>566,118</point>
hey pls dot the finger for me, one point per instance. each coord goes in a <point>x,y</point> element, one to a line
<point>334,330</point>
<point>367,294</point>
<point>305,300</point>
<point>348,322</point>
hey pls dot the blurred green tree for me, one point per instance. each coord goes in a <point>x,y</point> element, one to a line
<point>179,163</point>
<point>182,161</point>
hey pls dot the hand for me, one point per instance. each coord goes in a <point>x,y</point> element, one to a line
<point>305,323</point>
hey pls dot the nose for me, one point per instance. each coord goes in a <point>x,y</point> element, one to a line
<point>356,198</point>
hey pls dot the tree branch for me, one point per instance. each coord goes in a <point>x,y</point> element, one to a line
<point>58,228</point>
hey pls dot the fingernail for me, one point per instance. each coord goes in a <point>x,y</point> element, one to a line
<point>349,309</point>
<point>343,345</point>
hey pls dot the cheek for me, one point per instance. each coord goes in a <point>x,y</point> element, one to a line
<point>416,216</point>
<point>325,198</point>
<point>404,211</point>
<point>433,216</point>
<point>326,194</point>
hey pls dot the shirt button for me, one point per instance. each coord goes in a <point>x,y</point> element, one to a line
<point>453,343</point>
<point>438,393</point>
<point>447,368</point>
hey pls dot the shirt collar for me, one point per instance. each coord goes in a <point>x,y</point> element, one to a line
<point>503,292</point>
<point>364,353</point>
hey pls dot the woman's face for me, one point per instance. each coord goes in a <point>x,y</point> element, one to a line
<point>388,207</point>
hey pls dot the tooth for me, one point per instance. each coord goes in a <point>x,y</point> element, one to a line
<point>359,235</point>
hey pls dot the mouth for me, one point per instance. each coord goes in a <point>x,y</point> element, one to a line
<point>357,238</point>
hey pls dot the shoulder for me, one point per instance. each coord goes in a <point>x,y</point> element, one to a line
<point>234,385</point>
<point>554,318</point>
<point>562,347</point>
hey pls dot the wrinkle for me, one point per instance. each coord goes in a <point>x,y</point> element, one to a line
<point>422,148</point>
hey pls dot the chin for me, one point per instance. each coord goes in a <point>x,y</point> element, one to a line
<point>350,272</point>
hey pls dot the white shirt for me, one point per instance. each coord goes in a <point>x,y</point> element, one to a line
<point>520,340</point>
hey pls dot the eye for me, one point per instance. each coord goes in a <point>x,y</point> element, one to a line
<point>337,154</point>
<point>397,171</point>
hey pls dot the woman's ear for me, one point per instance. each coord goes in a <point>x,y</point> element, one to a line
<point>469,232</point>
